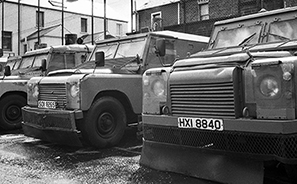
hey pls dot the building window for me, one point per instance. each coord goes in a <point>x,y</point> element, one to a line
<point>119,29</point>
<point>25,48</point>
<point>41,19</point>
<point>84,25</point>
<point>156,21</point>
<point>203,9</point>
<point>7,41</point>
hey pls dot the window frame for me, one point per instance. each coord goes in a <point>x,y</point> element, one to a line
<point>154,15</point>
<point>7,40</point>
<point>83,25</point>
<point>41,19</point>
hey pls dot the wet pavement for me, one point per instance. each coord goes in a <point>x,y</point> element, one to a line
<point>27,160</point>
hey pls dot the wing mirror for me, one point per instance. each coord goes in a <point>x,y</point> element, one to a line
<point>43,65</point>
<point>7,71</point>
<point>160,47</point>
<point>99,59</point>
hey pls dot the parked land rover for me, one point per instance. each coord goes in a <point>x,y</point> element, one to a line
<point>93,104</point>
<point>39,62</point>
<point>230,111</point>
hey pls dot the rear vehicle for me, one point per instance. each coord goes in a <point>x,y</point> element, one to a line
<point>230,111</point>
<point>94,103</point>
<point>33,63</point>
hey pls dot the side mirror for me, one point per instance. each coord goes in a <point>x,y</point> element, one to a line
<point>7,71</point>
<point>160,47</point>
<point>43,65</point>
<point>99,59</point>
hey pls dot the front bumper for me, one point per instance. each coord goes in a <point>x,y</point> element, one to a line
<point>52,125</point>
<point>257,139</point>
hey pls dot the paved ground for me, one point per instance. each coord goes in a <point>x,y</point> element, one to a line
<point>27,160</point>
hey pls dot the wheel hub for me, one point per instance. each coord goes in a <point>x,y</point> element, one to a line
<point>106,123</point>
<point>13,112</point>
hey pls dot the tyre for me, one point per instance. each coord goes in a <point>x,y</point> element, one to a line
<point>11,111</point>
<point>105,123</point>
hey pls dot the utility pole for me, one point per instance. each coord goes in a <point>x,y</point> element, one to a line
<point>132,12</point>
<point>19,26</point>
<point>104,19</point>
<point>2,31</point>
<point>92,18</point>
<point>62,22</point>
<point>38,23</point>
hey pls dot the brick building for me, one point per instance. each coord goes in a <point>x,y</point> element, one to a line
<point>19,22</point>
<point>198,16</point>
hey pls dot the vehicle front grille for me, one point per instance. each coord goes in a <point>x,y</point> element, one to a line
<point>279,146</point>
<point>53,92</point>
<point>203,99</point>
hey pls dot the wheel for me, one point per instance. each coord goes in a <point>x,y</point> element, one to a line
<point>105,123</point>
<point>11,111</point>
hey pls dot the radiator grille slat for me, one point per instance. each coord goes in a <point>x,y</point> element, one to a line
<point>207,100</point>
<point>53,92</point>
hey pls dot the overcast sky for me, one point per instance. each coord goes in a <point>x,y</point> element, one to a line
<point>117,9</point>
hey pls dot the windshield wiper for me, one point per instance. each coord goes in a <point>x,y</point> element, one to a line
<point>247,40</point>
<point>279,36</point>
<point>136,59</point>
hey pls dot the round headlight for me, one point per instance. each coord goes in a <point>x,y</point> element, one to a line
<point>74,90</point>
<point>158,88</point>
<point>35,91</point>
<point>269,87</point>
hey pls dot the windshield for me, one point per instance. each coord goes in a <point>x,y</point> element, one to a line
<point>238,36</point>
<point>32,61</point>
<point>283,31</point>
<point>117,54</point>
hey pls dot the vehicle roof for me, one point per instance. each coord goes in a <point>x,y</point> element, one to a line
<point>61,48</point>
<point>257,15</point>
<point>169,34</point>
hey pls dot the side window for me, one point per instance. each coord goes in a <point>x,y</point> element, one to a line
<point>153,60</point>
<point>56,62</point>
<point>38,59</point>
<point>70,60</point>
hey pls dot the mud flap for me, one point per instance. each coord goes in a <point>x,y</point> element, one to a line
<point>202,165</point>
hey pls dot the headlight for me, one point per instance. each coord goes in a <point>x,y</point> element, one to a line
<point>74,90</point>
<point>269,87</point>
<point>33,89</point>
<point>154,91</point>
<point>158,88</point>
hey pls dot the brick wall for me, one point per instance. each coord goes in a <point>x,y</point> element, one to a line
<point>169,15</point>
<point>218,10</point>
<point>223,8</point>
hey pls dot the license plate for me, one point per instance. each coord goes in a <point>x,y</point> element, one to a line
<point>46,104</point>
<point>201,123</point>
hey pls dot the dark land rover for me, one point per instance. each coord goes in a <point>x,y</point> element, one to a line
<point>228,112</point>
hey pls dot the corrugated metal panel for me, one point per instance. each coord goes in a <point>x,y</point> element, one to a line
<point>53,92</point>
<point>204,100</point>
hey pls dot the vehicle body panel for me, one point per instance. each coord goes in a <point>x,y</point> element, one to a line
<point>235,100</point>
<point>30,66</point>
<point>120,78</point>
